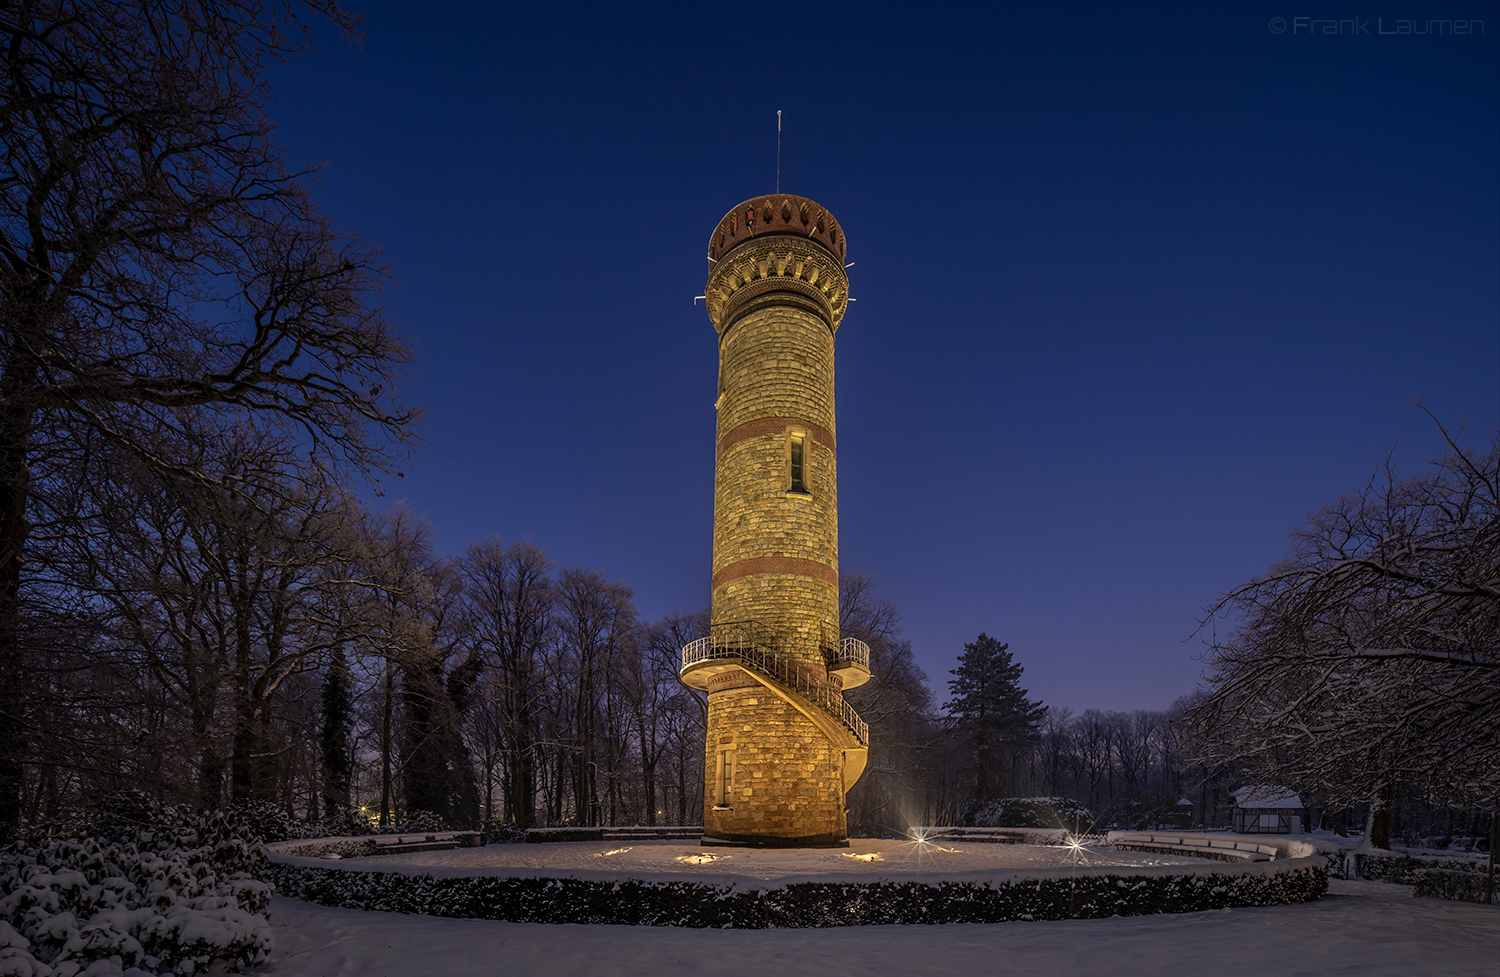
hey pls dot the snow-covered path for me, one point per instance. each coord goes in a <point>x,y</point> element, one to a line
<point>1360,928</point>
<point>865,858</point>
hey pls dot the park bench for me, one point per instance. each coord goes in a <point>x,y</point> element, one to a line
<point>1196,846</point>
<point>638,832</point>
<point>390,844</point>
<point>983,836</point>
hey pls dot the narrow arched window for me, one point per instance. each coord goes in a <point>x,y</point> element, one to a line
<point>798,465</point>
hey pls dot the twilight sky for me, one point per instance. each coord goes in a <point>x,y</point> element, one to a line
<point>1136,292</point>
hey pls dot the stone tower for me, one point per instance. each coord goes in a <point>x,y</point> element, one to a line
<point>783,747</point>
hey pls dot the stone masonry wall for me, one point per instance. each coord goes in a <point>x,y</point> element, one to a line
<point>775,557</point>
<point>787,776</point>
<point>777,363</point>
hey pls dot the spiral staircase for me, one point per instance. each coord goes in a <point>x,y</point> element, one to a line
<point>752,648</point>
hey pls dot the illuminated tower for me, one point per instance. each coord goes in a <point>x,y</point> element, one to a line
<point>783,747</point>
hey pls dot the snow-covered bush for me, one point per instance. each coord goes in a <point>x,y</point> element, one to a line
<point>1033,812</point>
<point>690,903</point>
<point>1461,885</point>
<point>269,821</point>
<point>417,822</point>
<point>498,832</point>
<point>135,894</point>
<point>341,822</point>
<point>340,848</point>
<point>543,835</point>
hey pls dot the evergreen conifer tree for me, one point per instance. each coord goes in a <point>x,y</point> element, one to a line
<point>990,714</point>
<point>338,765</point>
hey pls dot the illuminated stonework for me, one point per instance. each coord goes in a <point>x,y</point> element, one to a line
<point>783,747</point>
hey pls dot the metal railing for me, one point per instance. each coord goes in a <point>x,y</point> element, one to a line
<point>852,651</point>
<point>738,643</point>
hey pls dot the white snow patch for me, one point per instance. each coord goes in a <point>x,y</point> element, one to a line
<point>1265,797</point>
<point>672,861</point>
<point>1361,928</point>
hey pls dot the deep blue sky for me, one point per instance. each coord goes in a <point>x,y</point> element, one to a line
<point>1136,291</point>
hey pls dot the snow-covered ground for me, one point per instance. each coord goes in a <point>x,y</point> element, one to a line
<point>863,859</point>
<point>1368,929</point>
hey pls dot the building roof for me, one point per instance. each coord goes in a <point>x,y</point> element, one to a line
<point>1266,796</point>
<point>783,214</point>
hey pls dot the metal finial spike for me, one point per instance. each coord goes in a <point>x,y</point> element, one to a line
<point>778,150</point>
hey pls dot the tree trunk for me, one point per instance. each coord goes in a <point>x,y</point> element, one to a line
<point>682,789</point>
<point>15,485</point>
<point>523,778</point>
<point>336,765</point>
<point>385,745</point>
<point>1378,824</point>
<point>242,759</point>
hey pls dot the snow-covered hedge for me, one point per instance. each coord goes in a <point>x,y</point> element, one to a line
<point>417,822</point>
<point>543,835</point>
<point>1376,865</point>
<point>671,902</point>
<point>272,823</point>
<point>329,847</point>
<point>1033,812</point>
<point>498,832</point>
<point>1459,885</point>
<point>175,897</point>
<point>633,832</point>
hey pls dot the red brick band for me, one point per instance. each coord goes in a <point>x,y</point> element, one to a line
<point>778,564</point>
<point>775,425</point>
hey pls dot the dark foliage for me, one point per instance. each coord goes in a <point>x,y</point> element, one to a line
<point>1033,812</point>
<point>800,905</point>
<point>155,888</point>
<point>1436,883</point>
<point>990,714</point>
<point>338,764</point>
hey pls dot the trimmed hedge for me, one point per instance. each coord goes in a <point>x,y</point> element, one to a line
<point>1032,812</point>
<point>343,848</point>
<point>1461,886</point>
<point>544,835</point>
<point>1400,867</point>
<point>689,903</point>
<point>624,832</point>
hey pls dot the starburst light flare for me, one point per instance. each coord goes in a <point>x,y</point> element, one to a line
<point>702,859</point>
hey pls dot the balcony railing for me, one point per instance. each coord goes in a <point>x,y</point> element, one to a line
<point>748,646</point>
<point>852,651</point>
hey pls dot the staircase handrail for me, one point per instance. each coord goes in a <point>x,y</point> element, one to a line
<point>730,645</point>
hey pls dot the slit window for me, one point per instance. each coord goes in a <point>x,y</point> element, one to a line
<point>726,777</point>
<point>798,466</point>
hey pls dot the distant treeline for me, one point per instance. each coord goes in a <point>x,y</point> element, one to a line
<point>262,636</point>
<point>215,643</point>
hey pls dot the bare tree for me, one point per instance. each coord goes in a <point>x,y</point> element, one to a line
<point>897,704</point>
<point>661,706</point>
<point>508,599</point>
<point>1370,655</point>
<point>216,590</point>
<point>395,592</point>
<point>683,718</point>
<point>157,259</point>
<point>596,619</point>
